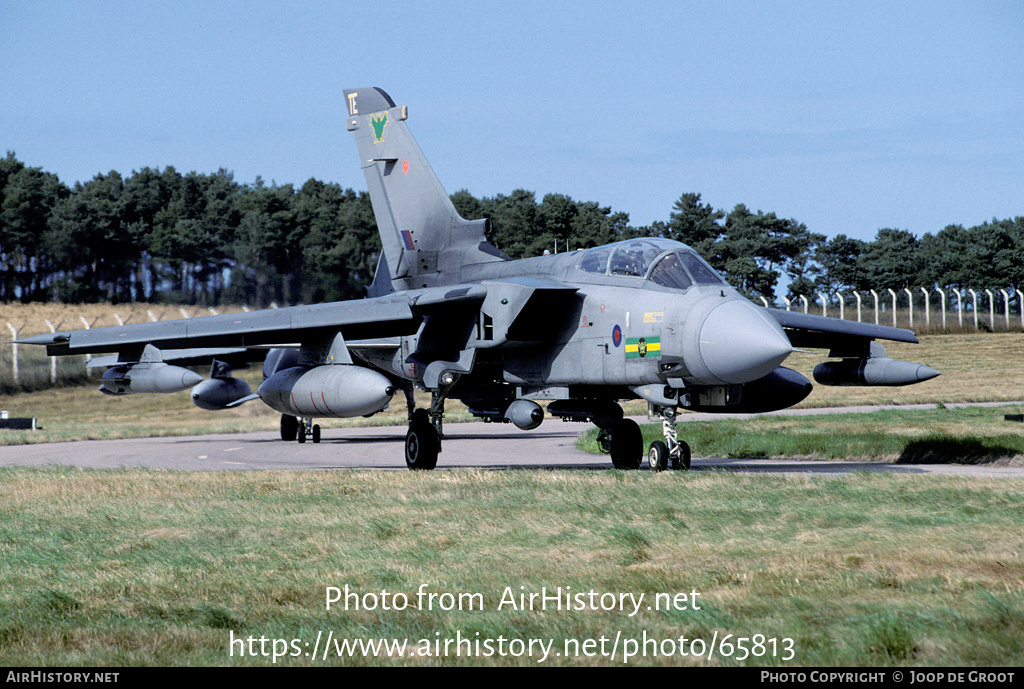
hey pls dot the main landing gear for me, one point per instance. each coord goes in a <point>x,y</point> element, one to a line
<point>624,443</point>
<point>622,440</point>
<point>294,428</point>
<point>423,441</point>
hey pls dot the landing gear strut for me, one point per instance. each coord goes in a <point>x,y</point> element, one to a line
<point>423,441</point>
<point>672,449</point>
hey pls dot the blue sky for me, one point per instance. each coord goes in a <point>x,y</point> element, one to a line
<point>848,116</point>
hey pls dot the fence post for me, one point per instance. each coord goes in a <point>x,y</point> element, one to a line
<point>942,298</point>
<point>765,302</point>
<point>824,304</point>
<point>53,359</point>
<point>910,304</point>
<point>806,303</point>
<point>842,313</point>
<point>788,303</point>
<point>875,295</point>
<point>1006,307</point>
<point>975,296</point>
<point>893,293</point>
<point>857,295</point>
<point>88,326</point>
<point>14,352</point>
<point>1020,303</point>
<point>991,309</point>
<point>927,308</point>
<point>959,306</point>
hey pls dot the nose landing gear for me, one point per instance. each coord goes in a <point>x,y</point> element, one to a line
<point>671,450</point>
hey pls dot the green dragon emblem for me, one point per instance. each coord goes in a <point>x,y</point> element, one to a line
<point>378,122</point>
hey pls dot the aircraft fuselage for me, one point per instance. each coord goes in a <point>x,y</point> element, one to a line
<point>580,322</point>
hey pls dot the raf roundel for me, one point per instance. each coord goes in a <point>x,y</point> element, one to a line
<point>616,336</point>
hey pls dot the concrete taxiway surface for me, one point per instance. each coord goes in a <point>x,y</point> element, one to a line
<point>466,445</point>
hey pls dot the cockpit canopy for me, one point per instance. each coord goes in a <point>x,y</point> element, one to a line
<point>662,261</point>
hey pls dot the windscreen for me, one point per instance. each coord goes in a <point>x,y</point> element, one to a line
<point>681,269</point>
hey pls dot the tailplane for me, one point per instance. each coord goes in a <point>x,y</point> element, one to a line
<point>425,241</point>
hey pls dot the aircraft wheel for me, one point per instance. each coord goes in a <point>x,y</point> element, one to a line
<point>316,433</point>
<point>681,458</point>
<point>627,445</point>
<point>657,456</point>
<point>302,433</point>
<point>289,427</point>
<point>604,441</point>
<point>421,445</point>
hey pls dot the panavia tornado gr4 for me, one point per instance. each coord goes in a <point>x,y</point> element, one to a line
<point>451,314</point>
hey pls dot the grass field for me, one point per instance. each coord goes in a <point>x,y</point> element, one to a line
<point>164,568</point>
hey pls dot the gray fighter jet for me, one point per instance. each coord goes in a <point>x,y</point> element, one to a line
<point>451,314</point>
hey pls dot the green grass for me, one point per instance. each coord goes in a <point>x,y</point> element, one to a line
<point>974,435</point>
<point>160,568</point>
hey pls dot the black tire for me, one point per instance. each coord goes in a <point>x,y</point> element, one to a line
<point>657,456</point>
<point>316,433</point>
<point>681,459</point>
<point>421,445</point>
<point>289,427</point>
<point>302,433</point>
<point>627,446</point>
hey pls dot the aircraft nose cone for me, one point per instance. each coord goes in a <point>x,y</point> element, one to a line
<point>740,343</point>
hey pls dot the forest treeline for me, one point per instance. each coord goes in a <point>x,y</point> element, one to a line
<point>203,238</point>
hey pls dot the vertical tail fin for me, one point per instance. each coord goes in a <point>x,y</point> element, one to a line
<point>425,240</point>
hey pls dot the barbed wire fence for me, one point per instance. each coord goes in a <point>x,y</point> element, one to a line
<point>28,368</point>
<point>898,308</point>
